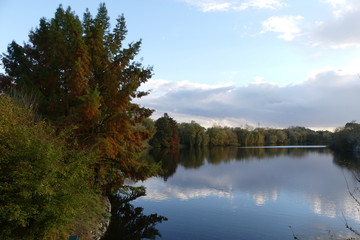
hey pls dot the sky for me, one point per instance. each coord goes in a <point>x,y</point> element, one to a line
<point>238,63</point>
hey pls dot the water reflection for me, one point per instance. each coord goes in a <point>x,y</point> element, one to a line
<point>129,222</point>
<point>348,160</point>
<point>197,157</point>
<point>290,180</point>
<point>203,172</point>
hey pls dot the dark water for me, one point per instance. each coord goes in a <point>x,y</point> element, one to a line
<point>253,193</point>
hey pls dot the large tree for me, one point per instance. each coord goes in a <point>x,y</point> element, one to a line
<point>85,79</point>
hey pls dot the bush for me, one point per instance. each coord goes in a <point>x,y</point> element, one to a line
<point>44,184</point>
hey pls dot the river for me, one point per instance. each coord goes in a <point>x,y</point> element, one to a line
<point>293,192</point>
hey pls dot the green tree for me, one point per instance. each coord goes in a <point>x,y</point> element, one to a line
<point>216,136</point>
<point>243,136</point>
<point>86,79</point>
<point>271,137</point>
<point>192,134</point>
<point>347,138</point>
<point>259,135</point>
<point>167,133</point>
<point>275,137</point>
<point>147,127</point>
<point>221,136</point>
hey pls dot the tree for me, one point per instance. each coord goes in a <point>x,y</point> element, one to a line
<point>243,136</point>
<point>275,137</point>
<point>221,136</point>
<point>347,139</point>
<point>5,83</point>
<point>259,136</point>
<point>86,79</point>
<point>192,134</point>
<point>167,134</point>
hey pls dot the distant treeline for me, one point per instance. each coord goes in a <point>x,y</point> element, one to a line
<point>347,138</point>
<point>168,133</point>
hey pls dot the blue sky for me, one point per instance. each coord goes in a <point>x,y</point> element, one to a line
<point>273,63</point>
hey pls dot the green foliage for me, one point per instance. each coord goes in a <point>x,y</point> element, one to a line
<point>347,138</point>
<point>147,127</point>
<point>288,136</point>
<point>193,135</point>
<point>85,79</point>
<point>44,184</point>
<point>167,133</point>
<point>301,135</point>
<point>221,136</point>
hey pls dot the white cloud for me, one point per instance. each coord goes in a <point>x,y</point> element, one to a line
<point>263,4</point>
<point>257,80</point>
<point>287,26</point>
<point>341,30</point>
<point>160,87</point>
<point>207,121</point>
<point>341,7</point>
<point>207,6</point>
<point>335,3</point>
<point>328,99</point>
<point>223,5</point>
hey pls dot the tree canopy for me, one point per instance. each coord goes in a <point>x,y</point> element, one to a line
<point>86,78</point>
<point>193,135</point>
<point>347,138</point>
<point>167,134</point>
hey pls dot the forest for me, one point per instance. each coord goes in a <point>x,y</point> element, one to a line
<point>70,132</point>
<point>169,134</point>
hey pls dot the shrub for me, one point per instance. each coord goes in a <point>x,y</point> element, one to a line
<point>44,183</point>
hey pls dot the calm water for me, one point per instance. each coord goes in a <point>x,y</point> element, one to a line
<point>253,193</point>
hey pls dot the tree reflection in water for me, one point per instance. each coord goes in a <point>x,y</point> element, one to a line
<point>129,222</point>
<point>351,161</point>
<point>327,201</point>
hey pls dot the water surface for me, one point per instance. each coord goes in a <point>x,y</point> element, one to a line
<point>253,193</point>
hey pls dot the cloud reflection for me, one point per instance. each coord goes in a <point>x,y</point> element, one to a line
<point>159,190</point>
<point>311,177</point>
<point>262,197</point>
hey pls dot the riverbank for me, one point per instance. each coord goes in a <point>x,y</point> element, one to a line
<point>103,221</point>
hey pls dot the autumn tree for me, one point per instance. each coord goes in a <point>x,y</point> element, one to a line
<point>86,79</point>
